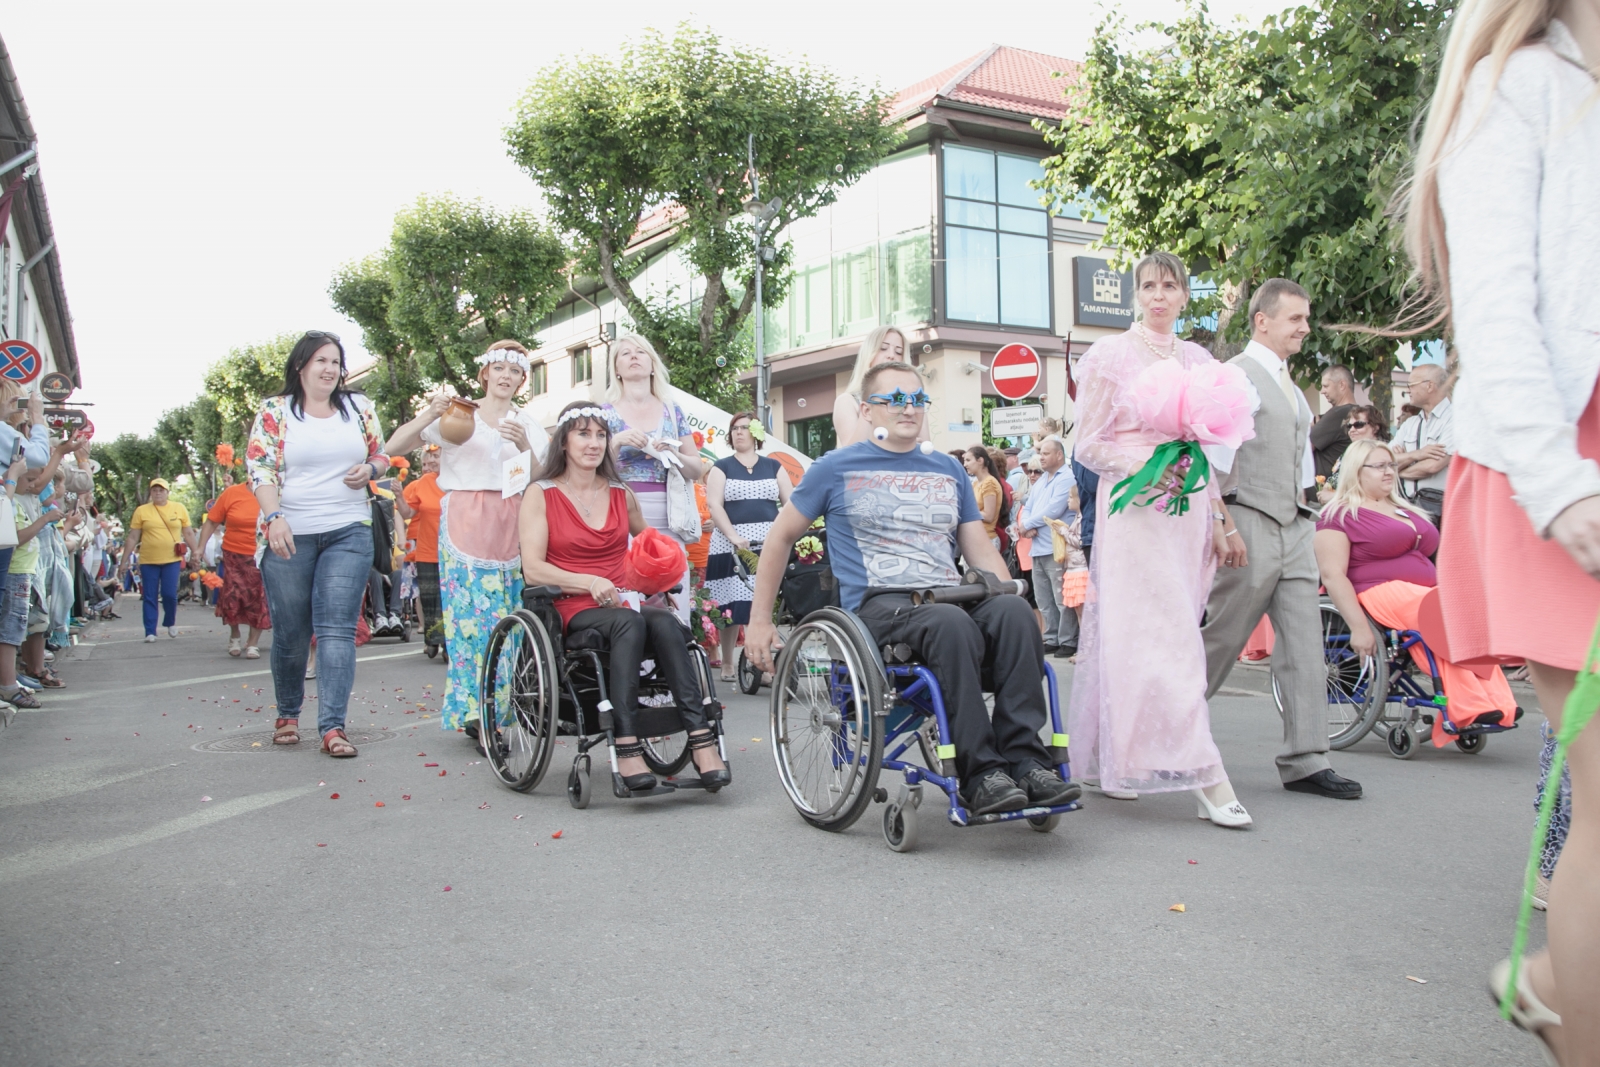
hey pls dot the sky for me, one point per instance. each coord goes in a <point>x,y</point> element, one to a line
<point>210,166</point>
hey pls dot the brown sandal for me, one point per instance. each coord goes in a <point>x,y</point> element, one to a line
<point>286,732</point>
<point>337,745</point>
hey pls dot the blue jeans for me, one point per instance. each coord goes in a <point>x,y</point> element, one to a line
<point>160,578</point>
<point>317,590</point>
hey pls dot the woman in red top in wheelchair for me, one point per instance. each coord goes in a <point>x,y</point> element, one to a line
<point>575,534</point>
<point>1372,550</point>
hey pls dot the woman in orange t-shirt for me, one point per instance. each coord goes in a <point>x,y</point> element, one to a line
<point>243,601</point>
<point>419,506</point>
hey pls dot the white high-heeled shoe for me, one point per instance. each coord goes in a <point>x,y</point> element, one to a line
<point>1231,814</point>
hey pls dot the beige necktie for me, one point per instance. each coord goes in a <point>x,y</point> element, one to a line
<point>1290,393</point>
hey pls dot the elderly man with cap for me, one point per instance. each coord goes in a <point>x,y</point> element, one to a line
<point>161,534</point>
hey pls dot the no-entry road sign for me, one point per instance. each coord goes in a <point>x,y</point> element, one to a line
<point>1015,371</point>
<point>20,361</point>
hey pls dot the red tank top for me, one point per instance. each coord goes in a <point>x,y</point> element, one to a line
<point>576,546</point>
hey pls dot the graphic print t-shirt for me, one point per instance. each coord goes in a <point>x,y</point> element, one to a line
<point>891,517</point>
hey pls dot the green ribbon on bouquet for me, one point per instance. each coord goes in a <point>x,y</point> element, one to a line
<point>1580,707</point>
<point>1143,483</point>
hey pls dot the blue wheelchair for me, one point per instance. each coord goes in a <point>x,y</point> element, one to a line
<point>843,710</point>
<point>1387,692</point>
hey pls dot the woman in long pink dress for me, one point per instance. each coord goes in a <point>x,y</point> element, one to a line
<point>1138,716</point>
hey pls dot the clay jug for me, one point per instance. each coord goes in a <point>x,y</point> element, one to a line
<point>458,421</point>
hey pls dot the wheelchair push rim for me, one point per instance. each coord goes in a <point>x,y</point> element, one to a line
<point>519,701</point>
<point>1357,687</point>
<point>826,731</point>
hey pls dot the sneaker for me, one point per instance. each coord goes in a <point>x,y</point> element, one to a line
<point>172,631</point>
<point>149,639</point>
<point>1046,789</point>
<point>994,792</point>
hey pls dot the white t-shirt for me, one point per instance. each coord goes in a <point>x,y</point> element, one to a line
<point>317,453</point>
<point>479,463</point>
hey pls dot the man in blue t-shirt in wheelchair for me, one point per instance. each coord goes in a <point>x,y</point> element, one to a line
<point>895,514</point>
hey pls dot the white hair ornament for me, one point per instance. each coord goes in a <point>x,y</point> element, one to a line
<point>506,355</point>
<point>581,413</point>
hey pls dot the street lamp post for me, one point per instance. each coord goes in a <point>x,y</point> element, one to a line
<point>762,214</point>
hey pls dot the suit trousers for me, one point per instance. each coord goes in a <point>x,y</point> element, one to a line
<point>1281,581</point>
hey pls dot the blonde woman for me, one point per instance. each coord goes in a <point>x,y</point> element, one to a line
<point>1504,229</point>
<point>647,427</point>
<point>884,344</point>
<point>1373,551</point>
<point>480,566</point>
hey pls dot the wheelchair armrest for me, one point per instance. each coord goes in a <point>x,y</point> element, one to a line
<point>533,593</point>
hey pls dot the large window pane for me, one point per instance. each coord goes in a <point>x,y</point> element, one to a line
<point>967,213</point>
<point>970,275</point>
<point>1021,220</point>
<point>905,192</point>
<point>908,278</point>
<point>1024,281</point>
<point>856,303</point>
<point>968,172</point>
<point>1015,174</point>
<point>812,296</point>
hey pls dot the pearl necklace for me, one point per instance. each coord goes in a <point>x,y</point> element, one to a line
<point>1144,339</point>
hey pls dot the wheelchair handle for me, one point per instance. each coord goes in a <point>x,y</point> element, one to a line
<point>976,586</point>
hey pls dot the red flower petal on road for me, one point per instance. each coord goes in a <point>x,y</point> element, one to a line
<point>557,834</point>
<point>447,889</point>
<point>443,773</point>
<point>204,800</point>
<point>379,804</point>
<point>485,804</point>
<point>322,844</point>
<point>405,796</point>
<point>430,765</point>
<point>333,796</point>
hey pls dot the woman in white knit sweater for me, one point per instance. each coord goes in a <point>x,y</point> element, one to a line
<point>1504,226</point>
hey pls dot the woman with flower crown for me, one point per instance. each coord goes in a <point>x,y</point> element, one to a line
<point>480,565</point>
<point>1147,404</point>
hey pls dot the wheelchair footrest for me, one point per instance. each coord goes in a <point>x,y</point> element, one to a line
<point>685,783</point>
<point>960,816</point>
<point>622,792</point>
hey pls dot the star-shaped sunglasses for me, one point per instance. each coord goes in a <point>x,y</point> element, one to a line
<point>899,400</point>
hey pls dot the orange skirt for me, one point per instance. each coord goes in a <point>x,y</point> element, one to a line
<point>1395,604</point>
<point>1074,588</point>
<point>1506,594</point>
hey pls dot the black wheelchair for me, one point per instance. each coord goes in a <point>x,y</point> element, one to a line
<point>1387,693</point>
<point>843,710</point>
<point>540,683</point>
<point>805,588</point>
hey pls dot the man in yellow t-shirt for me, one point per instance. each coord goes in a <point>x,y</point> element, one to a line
<point>161,534</point>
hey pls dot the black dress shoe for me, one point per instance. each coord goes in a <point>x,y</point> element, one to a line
<point>1326,784</point>
<point>1051,650</point>
<point>711,780</point>
<point>634,782</point>
<point>994,792</point>
<point>1046,789</point>
<point>1066,652</point>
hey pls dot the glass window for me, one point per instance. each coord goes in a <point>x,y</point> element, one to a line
<point>856,304</point>
<point>905,193</point>
<point>970,275</point>
<point>582,366</point>
<point>811,294</point>
<point>908,278</point>
<point>812,436</point>
<point>540,379</point>
<point>969,173</point>
<point>997,250</point>
<point>1024,281</point>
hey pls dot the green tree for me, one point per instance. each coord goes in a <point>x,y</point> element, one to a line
<point>237,383</point>
<point>457,276</point>
<point>1261,153</point>
<point>664,123</point>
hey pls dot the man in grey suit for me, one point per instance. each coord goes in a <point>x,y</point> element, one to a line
<point>1268,522</point>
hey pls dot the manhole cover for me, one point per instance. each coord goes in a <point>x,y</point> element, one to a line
<point>261,740</point>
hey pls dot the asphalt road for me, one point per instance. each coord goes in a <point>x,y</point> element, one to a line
<point>167,904</point>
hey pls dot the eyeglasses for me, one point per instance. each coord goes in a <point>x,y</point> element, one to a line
<point>1389,467</point>
<point>1357,425</point>
<point>1034,474</point>
<point>899,400</point>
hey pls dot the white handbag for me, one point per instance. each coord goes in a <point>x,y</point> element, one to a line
<point>8,522</point>
<point>683,514</point>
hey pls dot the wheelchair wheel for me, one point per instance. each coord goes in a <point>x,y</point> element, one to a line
<point>1472,744</point>
<point>666,755</point>
<point>1399,741</point>
<point>1357,686</point>
<point>749,676</point>
<point>1044,823</point>
<point>578,783</point>
<point>828,697</point>
<point>900,826</point>
<point>520,700</point>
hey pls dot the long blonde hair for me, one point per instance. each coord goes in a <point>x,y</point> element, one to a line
<point>660,383</point>
<point>1480,29</point>
<point>868,349</point>
<point>1347,495</point>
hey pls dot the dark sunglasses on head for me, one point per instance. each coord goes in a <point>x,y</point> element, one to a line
<point>323,335</point>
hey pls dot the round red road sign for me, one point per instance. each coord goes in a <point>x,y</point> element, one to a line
<point>1015,371</point>
<point>20,361</point>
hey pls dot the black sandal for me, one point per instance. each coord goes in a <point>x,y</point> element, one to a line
<point>634,782</point>
<point>712,780</point>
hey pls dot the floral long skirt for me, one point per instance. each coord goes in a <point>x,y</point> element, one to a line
<point>476,594</point>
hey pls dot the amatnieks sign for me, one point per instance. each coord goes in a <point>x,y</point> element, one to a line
<point>1101,296</point>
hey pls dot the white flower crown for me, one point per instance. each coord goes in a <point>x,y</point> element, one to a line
<point>506,355</point>
<point>581,413</point>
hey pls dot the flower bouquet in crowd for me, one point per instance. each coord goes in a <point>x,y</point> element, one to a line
<point>705,615</point>
<point>209,579</point>
<point>1206,404</point>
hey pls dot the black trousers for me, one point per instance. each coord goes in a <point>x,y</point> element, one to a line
<point>994,646</point>
<point>633,637</point>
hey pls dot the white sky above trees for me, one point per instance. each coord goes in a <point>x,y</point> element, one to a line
<point>210,165</point>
